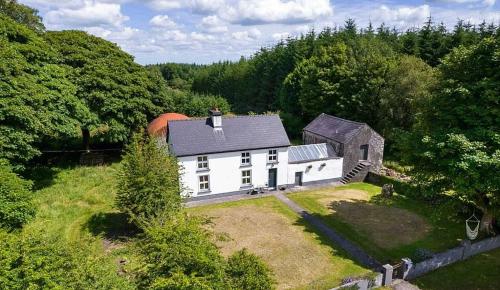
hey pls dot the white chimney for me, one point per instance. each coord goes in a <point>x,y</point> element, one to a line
<point>216,117</point>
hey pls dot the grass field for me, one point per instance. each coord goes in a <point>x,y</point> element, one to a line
<point>388,229</point>
<point>75,204</point>
<point>481,272</point>
<point>298,257</point>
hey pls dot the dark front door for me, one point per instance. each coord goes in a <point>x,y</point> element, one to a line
<point>273,174</point>
<point>364,152</point>
<point>298,178</point>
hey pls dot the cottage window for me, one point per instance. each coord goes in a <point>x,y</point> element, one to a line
<point>202,163</point>
<point>204,183</point>
<point>245,158</point>
<point>246,177</point>
<point>272,156</point>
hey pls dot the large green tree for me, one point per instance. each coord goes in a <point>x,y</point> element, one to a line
<point>37,97</point>
<point>121,95</point>
<point>22,14</point>
<point>456,145</point>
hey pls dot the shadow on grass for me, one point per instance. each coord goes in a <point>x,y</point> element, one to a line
<point>42,176</point>
<point>112,226</point>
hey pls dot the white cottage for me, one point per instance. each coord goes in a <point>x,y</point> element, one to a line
<point>232,155</point>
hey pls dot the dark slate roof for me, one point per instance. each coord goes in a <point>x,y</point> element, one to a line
<point>335,128</point>
<point>311,152</point>
<point>197,136</point>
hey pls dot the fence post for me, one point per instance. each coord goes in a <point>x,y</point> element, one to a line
<point>408,267</point>
<point>387,270</point>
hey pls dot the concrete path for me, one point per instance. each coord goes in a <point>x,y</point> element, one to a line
<point>222,199</point>
<point>357,253</point>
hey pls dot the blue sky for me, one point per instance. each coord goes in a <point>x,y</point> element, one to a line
<point>204,31</point>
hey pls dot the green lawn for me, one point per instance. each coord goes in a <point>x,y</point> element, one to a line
<point>481,272</point>
<point>388,229</point>
<point>75,204</point>
<point>299,257</point>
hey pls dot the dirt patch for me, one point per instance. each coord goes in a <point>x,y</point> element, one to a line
<point>388,227</point>
<point>295,259</point>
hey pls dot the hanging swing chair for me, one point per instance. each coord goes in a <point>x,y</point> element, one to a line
<point>472,227</point>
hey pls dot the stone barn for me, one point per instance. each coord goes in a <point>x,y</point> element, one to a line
<point>360,146</point>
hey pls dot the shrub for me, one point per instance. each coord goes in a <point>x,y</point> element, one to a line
<point>180,255</point>
<point>148,181</point>
<point>37,261</point>
<point>247,271</point>
<point>16,206</point>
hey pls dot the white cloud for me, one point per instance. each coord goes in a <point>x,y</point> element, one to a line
<point>247,35</point>
<point>281,35</point>
<point>201,37</point>
<point>205,6</point>
<point>174,35</point>
<point>249,12</point>
<point>162,21</point>
<point>212,24</point>
<point>471,2</point>
<point>92,13</point>
<point>165,4</point>
<point>402,16</point>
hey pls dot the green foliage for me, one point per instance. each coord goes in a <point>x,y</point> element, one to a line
<point>16,206</point>
<point>148,181</point>
<point>39,261</point>
<point>456,145</point>
<point>247,271</point>
<point>179,255</point>
<point>37,99</point>
<point>177,75</point>
<point>22,14</point>
<point>121,94</point>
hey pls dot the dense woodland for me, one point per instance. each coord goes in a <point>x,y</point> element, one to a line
<point>433,92</point>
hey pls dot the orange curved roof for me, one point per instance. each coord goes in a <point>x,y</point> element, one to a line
<point>158,127</point>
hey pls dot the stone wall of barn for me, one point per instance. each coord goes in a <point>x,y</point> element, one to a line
<point>353,153</point>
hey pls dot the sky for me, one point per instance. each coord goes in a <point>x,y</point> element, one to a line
<point>206,31</point>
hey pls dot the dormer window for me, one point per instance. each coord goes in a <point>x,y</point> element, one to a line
<point>272,156</point>
<point>202,162</point>
<point>245,159</point>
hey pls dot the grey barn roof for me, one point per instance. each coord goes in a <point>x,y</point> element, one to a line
<point>335,128</point>
<point>311,152</point>
<point>197,136</point>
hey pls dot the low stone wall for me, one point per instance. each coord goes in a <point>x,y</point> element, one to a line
<point>465,251</point>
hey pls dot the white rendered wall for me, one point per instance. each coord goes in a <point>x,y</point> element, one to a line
<point>225,171</point>
<point>332,169</point>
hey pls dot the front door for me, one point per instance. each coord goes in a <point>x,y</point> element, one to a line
<point>364,152</point>
<point>273,174</point>
<point>298,178</point>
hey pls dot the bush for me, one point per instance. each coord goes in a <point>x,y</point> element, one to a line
<point>148,182</point>
<point>37,261</point>
<point>180,255</point>
<point>247,271</point>
<point>16,206</point>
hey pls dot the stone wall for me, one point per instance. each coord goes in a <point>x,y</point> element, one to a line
<point>352,151</point>
<point>466,250</point>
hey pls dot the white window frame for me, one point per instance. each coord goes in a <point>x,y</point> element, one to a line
<point>202,163</point>
<point>203,185</point>
<point>246,177</point>
<point>272,156</point>
<point>246,158</point>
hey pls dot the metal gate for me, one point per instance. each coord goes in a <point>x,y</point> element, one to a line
<point>398,270</point>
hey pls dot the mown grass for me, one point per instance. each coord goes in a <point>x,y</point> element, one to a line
<point>446,230</point>
<point>75,204</point>
<point>481,272</point>
<point>300,257</point>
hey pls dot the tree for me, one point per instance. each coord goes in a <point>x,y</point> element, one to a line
<point>37,98</point>
<point>148,182</point>
<point>247,271</point>
<point>22,14</point>
<point>178,254</point>
<point>456,145</point>
<point>121,94</point>
<point>16,206</point>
